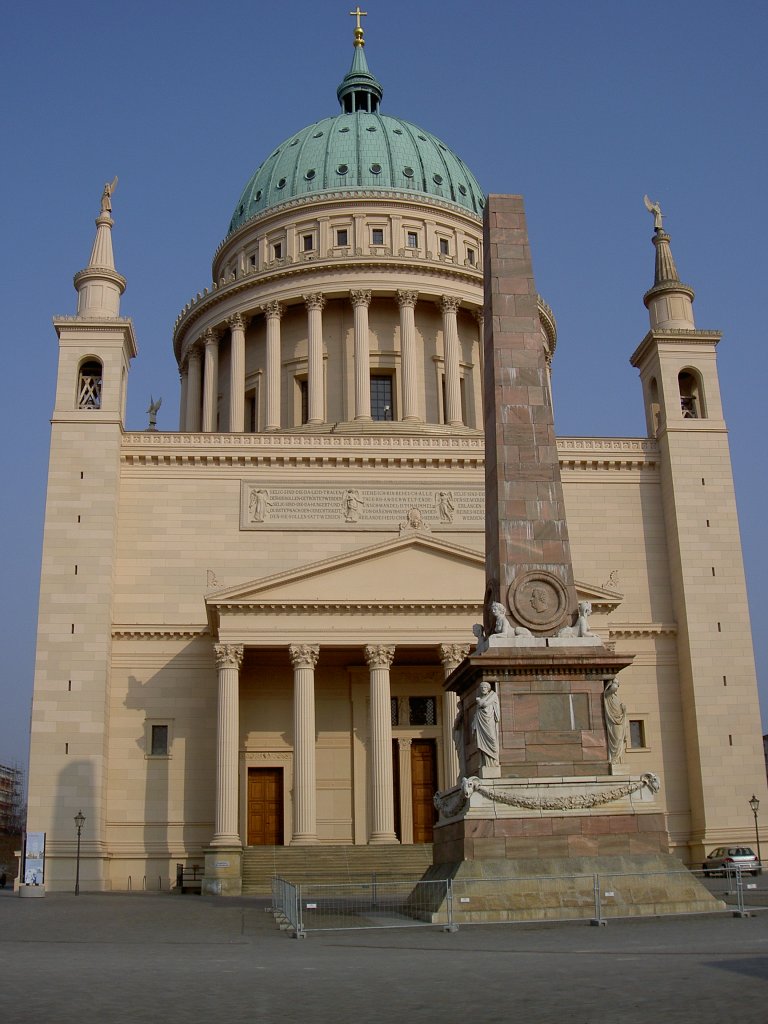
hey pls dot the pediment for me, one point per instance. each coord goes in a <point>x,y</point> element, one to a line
<point>415,570</point>
<point>602,600</point>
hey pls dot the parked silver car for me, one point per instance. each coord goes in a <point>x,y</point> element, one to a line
<point>732,858</point>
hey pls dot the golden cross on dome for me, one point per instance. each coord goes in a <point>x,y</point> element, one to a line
<point>358,14</point>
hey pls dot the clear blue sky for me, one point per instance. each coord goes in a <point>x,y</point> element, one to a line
<point>582,107</point>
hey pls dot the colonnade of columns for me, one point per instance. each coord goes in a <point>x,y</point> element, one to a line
<point>304,658</point>
<point>200,383</point>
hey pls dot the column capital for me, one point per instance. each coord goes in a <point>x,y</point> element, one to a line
<point>452,655</point>
<point>479,315</point>
<point>379,655</point>
<point>194,354</point>
<point>314,301</point>
<point>360,298</point>
<point>209,336</point>
<point>229,655</point>
<point>406,299</point>
<point>404,743</point>
<point>237,322</point>
<point>304,655</point>
<point>449,304</point>
<point>273,309</point>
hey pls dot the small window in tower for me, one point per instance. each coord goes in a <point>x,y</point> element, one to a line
<point>252,260</point>
<point>89,385</point>
<point>637,734</point>
<point>412,240</point>
<point>342,237</point>
<point>281,183</point>
<point>381,397</point>
<point>471,257</point>
<point>690,396</point>
<point>304,398</point>
<point>444,247</point>
<point>377,236</point>
<point>310,174</point>
<point>307,243</point>
<point>375,168</point>
<point>157,738</point>
<point>342,169</point>
<point>277,250</point>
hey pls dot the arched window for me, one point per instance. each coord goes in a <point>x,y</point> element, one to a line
<point>89,383</point>
<point>691,396</point>
<point>653,404</point>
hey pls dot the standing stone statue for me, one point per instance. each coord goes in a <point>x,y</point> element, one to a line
<point>458,740</point>
<point>106,195</point>
<point>485,725</point>
<point>152,411</point>
<point>615,722</point>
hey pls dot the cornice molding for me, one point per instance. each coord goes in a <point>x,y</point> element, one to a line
<point>158,632</point>
<point>624,629</point>
<point>349,608</point>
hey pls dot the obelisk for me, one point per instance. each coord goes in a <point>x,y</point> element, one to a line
<point>527,555</point>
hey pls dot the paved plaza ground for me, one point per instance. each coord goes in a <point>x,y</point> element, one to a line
<point>167,958</point>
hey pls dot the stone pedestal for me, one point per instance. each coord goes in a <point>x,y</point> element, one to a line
<point>223,871</point>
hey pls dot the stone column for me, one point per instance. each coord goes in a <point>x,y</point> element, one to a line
<point>451,655</point>
<point>379,657</point>
<point>361,300</point>
<point>210,379</point>
<point>407,303</point>
<point>273,312</point>
<point>193,390</point>
<point>451,353</point>
<point>229,658</point>
<point>237,374</point>
<point>406,791</point>
<point>303,659</point>
<point>183,381</point>
<point>315,303</point>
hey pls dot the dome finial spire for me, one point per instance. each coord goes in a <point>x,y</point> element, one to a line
<point>357,13</point>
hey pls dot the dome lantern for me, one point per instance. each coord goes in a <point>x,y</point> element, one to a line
<point>359,89</point>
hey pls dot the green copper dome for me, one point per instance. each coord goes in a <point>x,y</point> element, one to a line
<point>359,150</point>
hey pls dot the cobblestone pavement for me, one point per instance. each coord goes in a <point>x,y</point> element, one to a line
<point>167,958</point>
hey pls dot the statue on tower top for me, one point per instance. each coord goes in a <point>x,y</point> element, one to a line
<point>106,195</point>
<point>655,209</point>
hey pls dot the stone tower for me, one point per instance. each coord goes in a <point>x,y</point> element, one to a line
<point>678,369</point>
<point>71,704</point>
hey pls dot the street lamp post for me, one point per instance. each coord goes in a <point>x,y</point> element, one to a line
<point>79,822</point>
<point>754,803</point>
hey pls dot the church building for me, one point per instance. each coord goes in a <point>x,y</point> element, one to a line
<point>245,623</point>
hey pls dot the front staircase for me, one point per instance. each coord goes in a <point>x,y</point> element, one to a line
<point>331,864</point>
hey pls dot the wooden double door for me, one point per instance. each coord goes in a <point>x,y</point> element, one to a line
<point>265,807</point>
<point>423,787</point>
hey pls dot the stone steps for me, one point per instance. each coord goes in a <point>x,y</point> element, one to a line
<point>331,864</point>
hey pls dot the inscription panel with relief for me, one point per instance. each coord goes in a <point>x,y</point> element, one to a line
<point>264,507</point>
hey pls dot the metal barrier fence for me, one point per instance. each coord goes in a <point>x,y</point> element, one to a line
<point>447,903</point>
<point>374,904</point>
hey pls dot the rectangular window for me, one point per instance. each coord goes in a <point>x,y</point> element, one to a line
<point>381,397</point>
<point>471,257</point>
<point>159,741</point>
<point>277,250</point>
<point>411,240</point>
<point>307,243</point>
<point>444,247</point>
<point>252,260</point>
<point>422,711</point>
<point>342,237</point>
<point>636,734</point>
<point>304,391</point>
<point>377,236</point>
